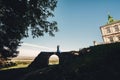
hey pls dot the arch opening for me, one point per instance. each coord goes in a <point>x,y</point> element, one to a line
<point>53,60</point>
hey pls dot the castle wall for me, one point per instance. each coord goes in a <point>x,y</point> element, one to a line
<point>42,60</point>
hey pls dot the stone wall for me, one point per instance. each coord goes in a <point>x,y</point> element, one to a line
<point>42,60</point>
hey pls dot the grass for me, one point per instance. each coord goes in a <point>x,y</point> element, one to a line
<point>53,62</point>
<point>15,67</point>
<point>20,64</point>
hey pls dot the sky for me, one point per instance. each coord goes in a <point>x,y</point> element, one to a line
<point>79,24</point>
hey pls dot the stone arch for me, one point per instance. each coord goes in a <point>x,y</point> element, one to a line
<point>53,60</point>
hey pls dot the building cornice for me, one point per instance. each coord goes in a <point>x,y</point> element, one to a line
<point>110,23</point>
<point>111,34</point>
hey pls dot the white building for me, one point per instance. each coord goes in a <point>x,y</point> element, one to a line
<point>111,31</point>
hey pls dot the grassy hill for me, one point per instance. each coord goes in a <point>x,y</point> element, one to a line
<point>100,62</point>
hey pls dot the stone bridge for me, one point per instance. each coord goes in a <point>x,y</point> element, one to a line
<point>42,60</point>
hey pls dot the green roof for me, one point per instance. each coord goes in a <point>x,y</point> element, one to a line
<point>111,20</point>
<point>111,23</point>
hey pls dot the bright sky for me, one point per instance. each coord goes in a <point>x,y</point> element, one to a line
<point>79,24</point>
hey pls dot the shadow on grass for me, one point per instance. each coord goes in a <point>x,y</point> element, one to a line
<point>12,74</point>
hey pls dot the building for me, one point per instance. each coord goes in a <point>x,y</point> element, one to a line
<point>111,31</point>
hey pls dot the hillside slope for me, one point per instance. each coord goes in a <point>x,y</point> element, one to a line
<point>100,62</point>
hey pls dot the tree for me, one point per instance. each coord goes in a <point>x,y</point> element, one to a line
<point>18,17</point>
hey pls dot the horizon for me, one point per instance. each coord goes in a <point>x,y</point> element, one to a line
<point>32,50</point>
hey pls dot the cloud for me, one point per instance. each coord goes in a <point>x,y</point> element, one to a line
<point>28,49</point>
<point>37,46</point>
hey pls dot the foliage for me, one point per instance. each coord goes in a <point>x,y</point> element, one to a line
<point>18,17</point>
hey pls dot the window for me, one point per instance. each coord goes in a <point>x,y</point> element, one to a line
<point>118,38</point>
<point>111,39</point>
<point>116,28</point>
<point>108,30</point>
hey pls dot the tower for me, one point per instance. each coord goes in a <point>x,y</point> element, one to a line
<point>110,19</point>
<point>58,49</point>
